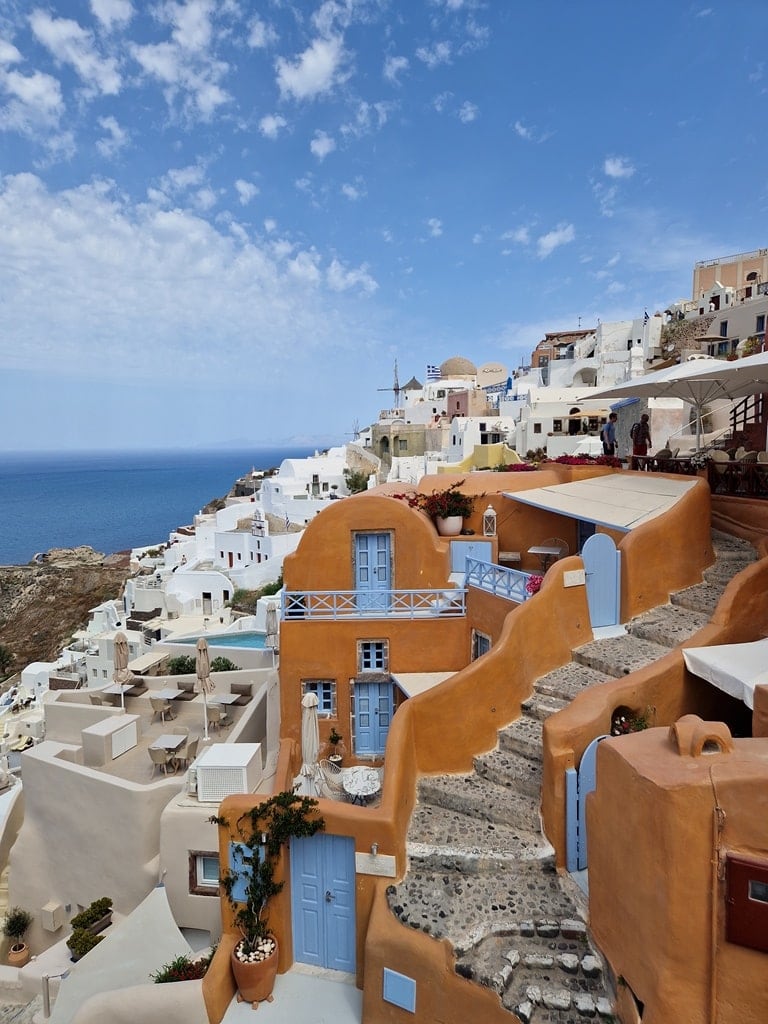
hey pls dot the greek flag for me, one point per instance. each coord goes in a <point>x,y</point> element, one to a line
<point>646,318</point>
<point>433,372</point>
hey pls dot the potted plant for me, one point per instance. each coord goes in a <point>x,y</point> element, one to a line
<point>81,941</point>
<point>335,747</point>
<point>261,833</point>
<point>15,926</point>
<point>184,968</point>
<point>447,508</point>
<point>96,917</point>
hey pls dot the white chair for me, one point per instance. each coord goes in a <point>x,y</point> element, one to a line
<point>217,717</point>
<point>330,780</point>
<point>162,707</point>
<point>161,759</point>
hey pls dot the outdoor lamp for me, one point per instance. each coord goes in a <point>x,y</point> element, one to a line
<point>489,522</point>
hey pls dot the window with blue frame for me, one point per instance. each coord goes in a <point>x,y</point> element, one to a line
<point>325,691</point>
<point>373,655</point>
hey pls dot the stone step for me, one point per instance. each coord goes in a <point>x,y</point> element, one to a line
<point>540,707</point>
<point>728,546</point>
<point>445,840</point>
<point>701,597</point>
<point>667,625</point>
<point>620,655</point>
<point>511,770</point>
<point>486,798</point>
<point>465,908</point>
<point>721,573</point>
<point>523,737</point>
<point>568,680</point>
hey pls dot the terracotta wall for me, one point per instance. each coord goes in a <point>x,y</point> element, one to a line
<point>657,905</point>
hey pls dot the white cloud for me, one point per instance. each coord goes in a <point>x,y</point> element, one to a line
<point>531,133</point>
<point>468,112</point>
<point>115,139</point>
<point>435,227</point>
<point>315,72</point>
<point>8,53</point>
<point>520,235</point>
<point>260,34</point>
<point>246,191</point>
<point>615,288</point>
<point>394,67</point>
<point>73,45</point>
<point>441,101</point>
<point>270,225</point>
<point>322,144</point>
<point>353,192</point>
<point>434,56</point>
<point>561,235</point>
<point>618,167</point>
<point>35,102</point>
<point>341,280</point>
<point>162,290</point>
<point>270,125</point>
<point>369,117</point>
<point>205,199</point>
<point>112,13</point>
<point>191,23</point>
<point>477,238</point>
<point>606,197</point>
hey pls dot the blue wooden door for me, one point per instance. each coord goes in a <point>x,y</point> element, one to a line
<point>323,901</point>
<point>602,564</point>
<point>578,785</point>
<point>373,715</point>
<point>372,570</point>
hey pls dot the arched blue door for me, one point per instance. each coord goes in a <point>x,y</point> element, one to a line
<point>578,785</point>
<point>602,564</point>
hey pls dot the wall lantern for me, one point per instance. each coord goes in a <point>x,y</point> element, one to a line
<point>489,522</point>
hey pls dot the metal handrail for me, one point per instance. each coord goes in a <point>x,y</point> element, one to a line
<point>498,580</point>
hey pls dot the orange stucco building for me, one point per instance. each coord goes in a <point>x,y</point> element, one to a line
<point>419,679</point>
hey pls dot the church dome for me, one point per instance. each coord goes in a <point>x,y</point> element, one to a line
<point>457,366</point>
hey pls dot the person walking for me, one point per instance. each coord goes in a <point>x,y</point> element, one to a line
<point>641,440</point>
<point>608,435</point>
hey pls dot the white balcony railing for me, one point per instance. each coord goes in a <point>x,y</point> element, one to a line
<point>497,579</point>
<point>343,604</point>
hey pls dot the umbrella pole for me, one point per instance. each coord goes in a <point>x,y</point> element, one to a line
<point>205,714</point>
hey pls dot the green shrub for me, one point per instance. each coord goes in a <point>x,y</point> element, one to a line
<point>81,941</point>
<point>181,665</point>
<point>272,588</point>
<point>223,665</point>
<point>183,968</point>
<point>98,909</point>
<point>244,600</point>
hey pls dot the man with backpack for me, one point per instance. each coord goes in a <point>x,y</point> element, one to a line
<point>641,440</point>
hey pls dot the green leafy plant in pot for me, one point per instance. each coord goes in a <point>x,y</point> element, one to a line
<point>336,748</point>
<point>261,834</point>
<point>15,926</point>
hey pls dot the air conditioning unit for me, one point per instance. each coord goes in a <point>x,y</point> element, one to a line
<point>224,769</point>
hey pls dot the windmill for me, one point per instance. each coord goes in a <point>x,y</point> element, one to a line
<point>355,430</point>
<point>395,388</point>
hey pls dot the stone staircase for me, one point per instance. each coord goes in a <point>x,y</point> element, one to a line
<point>481,872</point>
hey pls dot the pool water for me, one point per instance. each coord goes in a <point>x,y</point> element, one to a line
<point>247,638</point>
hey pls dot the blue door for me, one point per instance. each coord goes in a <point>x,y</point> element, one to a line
<point>373,714</point>
<point>602,564</point>
<point>372,570</point>
<point>578,785</point>
<point>323,901</point>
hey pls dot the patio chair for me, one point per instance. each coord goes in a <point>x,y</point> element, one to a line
<point>190,751</point>
<point>162,707</point>
<point>330,780</point>
<point>181,752</point>
<point>218,717</point>
<point>161,759</point>
<point>96,698</point>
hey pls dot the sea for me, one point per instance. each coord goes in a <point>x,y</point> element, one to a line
<point>113,501</point>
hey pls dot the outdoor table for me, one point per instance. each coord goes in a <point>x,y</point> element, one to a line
<point>117,688</point>
<point>167,694</point>
<point>169,741</point>
<point>546,554</point>
<point>360,782</point>
<point>222,698</point>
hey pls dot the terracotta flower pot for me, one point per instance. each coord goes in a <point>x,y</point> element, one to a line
<point>255,981</point>
<point>18,954</point>
<point>450,526</point>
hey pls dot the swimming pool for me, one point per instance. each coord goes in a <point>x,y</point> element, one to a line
<point>246,638</point>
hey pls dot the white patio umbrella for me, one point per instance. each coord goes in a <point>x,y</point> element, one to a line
<point>203,667</point>
<point>122,674</point>
<point>310,738</point>
<point>734,668</point>
<point>697,381</point>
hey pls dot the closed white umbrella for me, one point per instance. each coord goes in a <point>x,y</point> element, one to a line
<point>203,666</point>
<point>272,638</point>
<point>122,675</point>
<point>310,737</point>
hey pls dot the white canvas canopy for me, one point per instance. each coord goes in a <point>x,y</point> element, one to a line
<point>733,668</point>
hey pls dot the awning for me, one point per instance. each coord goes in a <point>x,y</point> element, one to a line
<point>733,668</point>
<point>413,683</point>
<point>620,501</point>
<point>145,662</point>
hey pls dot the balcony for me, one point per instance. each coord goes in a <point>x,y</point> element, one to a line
<point>378,604</point>
<point>498,580</point>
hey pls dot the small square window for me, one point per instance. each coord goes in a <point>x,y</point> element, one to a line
<point>203,873</point>
<point>325,691</point>
<point>403,443</point>
<point>724,329</point>
<point>372,656</point>
<point>758,891</point>
<point>537,428</point>
<point>760,324</point>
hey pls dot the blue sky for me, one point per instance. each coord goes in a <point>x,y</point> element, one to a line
<point>223,221</point>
